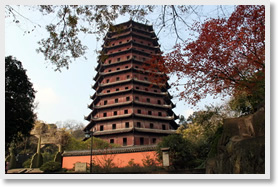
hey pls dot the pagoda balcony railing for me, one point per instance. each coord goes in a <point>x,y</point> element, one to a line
<point>130,42</point>
<point>111,105</point>
<point>132,33</point>
<point>130,50</point>
<point>111,117</point>
<point>124,130</point>
<point>98,75</point>
<point>169,118</point>
<point>93,106</point>
<point>101,64</point>
<point>128,90</point>
<point>97,86</point>
<point>166,118</point>
<point>153,105</point>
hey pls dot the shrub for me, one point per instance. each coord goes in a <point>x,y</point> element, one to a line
<point>27,163</point>
<point>50,166</point>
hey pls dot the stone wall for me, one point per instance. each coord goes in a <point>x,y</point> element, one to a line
<point>241,148</point>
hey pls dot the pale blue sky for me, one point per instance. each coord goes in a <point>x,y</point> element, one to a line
<point>65,96</point>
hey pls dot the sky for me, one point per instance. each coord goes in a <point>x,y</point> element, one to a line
<point>63,96</point>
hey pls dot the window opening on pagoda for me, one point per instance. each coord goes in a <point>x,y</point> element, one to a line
<point>137,87</point>
<point>141,42</point>
<point>138,124</point>
<point>136,66</point>
<point>127,98</point>
<point>148,100</point>
<point>143,59</point>
<point>155,90</point>
<point>117,78</point>
<point>104,114</point>
<point>120,42</point>
<point>127,57</point>
<point>116,100</point>
<point>101,128</point>
<point>127,40</point>
<point>126,67</point>
<point>145,78</point>
<point>126,124</point>
<point>158,102</point>
<point>159,114</point>
<point>149,44</point>
<point>117,89</point>
<point>163,127</point>
<point>124,141</point>
<point>139,111</point>
<point>141,141</point>
<point>150,112</point>
<point>126,111</point>
<point>113,126</point>
<point>154,140</point>
<point>109,61</point>
<point>119,59</point>
<point>126,88</point>
<point>134,56</point>
<point>113,44</point>
<point>151,125</point>
<point>146,89</point>
<point>136,98</point>
<point>111,141</point>
<point>115,113</point>
<point>105,102</point>
<point>118,68</point>
<point>107,80</point>
<point>109,70</point>
<point>108,91</point>
<point>128,76</point>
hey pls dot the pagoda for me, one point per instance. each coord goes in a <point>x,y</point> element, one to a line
<point>128,107</point>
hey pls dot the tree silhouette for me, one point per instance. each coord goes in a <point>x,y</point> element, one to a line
<point>19,102</point>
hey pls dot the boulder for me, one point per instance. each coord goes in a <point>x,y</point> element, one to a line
<point>241,148</point>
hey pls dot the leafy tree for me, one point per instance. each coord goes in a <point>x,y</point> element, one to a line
<point>51,166</point>
<point>181,152</point>
<point>227,58</point>
<point>77,144</point>
<point>202,130</point>
<point>19,102</point>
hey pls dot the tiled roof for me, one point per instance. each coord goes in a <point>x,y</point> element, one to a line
<point>117,150</point>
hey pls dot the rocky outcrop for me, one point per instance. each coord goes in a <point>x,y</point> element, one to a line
<point>241,148</point>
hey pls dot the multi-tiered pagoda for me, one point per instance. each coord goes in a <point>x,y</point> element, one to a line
<point>130,108</point>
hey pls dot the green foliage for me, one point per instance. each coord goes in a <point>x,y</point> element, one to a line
<point>75,144</point>
<point>181,150</point>
<point>247,102</point>
<point>27,163</point>
<point>131,163</point>
<point>214,142</point>
<point>19,102</point>
<point>149,162</point>
<point>50,167</point>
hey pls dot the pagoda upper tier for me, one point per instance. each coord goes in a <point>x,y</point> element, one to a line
<point>131,104</point>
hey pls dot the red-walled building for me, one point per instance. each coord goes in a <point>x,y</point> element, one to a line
<point>130,108</point>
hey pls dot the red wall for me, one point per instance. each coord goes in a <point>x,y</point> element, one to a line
<point>120,160</point>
